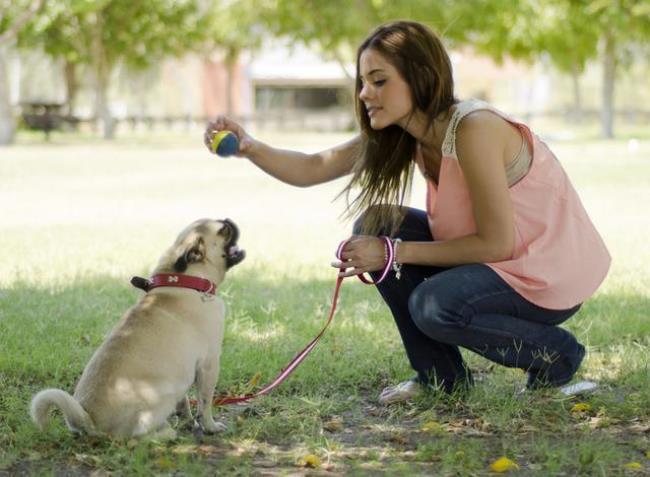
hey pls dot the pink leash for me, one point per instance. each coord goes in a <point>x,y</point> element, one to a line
<point>293,364</point>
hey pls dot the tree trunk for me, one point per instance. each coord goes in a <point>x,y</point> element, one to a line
<point>577,99</point>
<point>342,63</point>
<point>71,87</point>
<point>609,75</point>
<point>7,119</point>
<point>102,72</point>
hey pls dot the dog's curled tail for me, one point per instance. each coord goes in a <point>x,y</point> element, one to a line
<point>75,416</point>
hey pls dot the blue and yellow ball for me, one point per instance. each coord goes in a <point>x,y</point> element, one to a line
<point>224,143</point>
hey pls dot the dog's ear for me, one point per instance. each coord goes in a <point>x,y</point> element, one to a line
<point>193,254</point>
<point>226,230</point>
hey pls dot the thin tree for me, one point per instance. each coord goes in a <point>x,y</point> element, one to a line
<point>13,18</point>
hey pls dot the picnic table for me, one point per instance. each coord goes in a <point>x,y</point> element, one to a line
<point>43,116</point>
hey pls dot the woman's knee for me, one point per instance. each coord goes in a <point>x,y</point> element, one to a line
<point>434,313</point>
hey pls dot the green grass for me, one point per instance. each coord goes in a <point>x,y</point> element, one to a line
<point>79,218</point>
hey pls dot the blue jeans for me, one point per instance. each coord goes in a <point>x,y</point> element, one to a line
<point>439,309</point>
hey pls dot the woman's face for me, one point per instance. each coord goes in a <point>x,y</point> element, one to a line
<point>384,92</point>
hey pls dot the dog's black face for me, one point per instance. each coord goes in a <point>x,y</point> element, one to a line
<point>232,253</point>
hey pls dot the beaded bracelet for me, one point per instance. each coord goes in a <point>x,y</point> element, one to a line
<point>395,265</point>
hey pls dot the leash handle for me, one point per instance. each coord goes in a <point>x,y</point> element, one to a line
<point>390,255</point>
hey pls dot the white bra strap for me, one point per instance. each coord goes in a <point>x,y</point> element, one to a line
<point>462,109</point>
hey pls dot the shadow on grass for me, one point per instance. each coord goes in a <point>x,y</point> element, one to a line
<point>48,335</point>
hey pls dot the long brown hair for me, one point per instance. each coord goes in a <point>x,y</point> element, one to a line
<point>384,171</point>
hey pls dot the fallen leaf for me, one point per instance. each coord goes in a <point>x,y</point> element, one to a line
<point>465,428</point>
<point>34,455</point>
<point>599,422</point>
<point>164,463</point>
<point>334,424</point>
<point>503,464</point>
<point>184,449</point>
<point>100,473</point>
<point>265,462</point>
<point>639,428</point>
<point>526,428</point>
<point>206,449</point>
<point>433,427</point>
<point>397,438</point>
<point>310,460</point>
<point>581,407</point>
<point>633,466</point>
<point>254,380</point>
<point>88,459</point>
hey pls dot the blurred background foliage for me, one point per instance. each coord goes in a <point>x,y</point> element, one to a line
<point>98,36</point>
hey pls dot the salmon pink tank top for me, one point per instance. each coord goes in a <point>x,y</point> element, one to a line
<point>559,259</point>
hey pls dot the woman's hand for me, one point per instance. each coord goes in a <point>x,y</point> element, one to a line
<point>361,254</point>
<point>223,123</point>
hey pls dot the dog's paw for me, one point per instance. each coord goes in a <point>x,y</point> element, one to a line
<point>212,427</point>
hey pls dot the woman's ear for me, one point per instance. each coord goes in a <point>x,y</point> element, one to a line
<point>193,254</point>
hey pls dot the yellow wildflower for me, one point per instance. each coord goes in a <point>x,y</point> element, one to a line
<point>581,407</point>
<point>432,426</point>
<point>310,460</point>
<point>633,466</point>
<point>503,464</point>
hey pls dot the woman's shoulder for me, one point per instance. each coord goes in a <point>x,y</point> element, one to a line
<point>480,120</point>
<point>475,121</point>
<point>476,117</point>
<point>481,130</point>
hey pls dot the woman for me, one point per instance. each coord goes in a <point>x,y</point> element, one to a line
<point>504,252</point>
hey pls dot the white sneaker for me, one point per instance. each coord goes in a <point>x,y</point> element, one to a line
<point>400,392</point>
<point>581,387</point>
<point>575,389</point>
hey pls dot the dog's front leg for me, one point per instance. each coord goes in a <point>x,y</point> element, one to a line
<point>184,412</point>
<point>206,379</point>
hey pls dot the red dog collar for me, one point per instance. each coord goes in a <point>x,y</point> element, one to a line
<point>175,280</point>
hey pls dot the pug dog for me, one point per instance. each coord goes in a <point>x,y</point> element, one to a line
<point>168,341</point>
